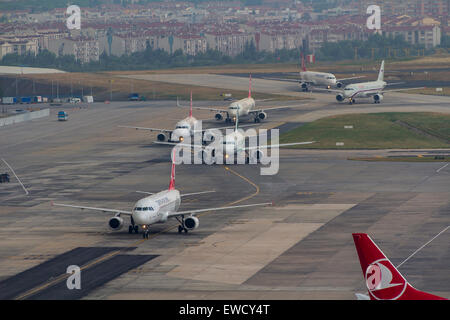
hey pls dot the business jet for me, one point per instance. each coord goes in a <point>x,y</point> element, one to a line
<point>310,79</point>
<point>158,208</point>
<point>383,280</point>
<point>183,128</point>
<point>374,89</point>
<point>233,144</point>
<point>244,108</point>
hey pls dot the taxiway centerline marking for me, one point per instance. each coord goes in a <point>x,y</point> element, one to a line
<point>137,243</point>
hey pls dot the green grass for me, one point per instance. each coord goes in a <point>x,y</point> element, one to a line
<point>374,131</point>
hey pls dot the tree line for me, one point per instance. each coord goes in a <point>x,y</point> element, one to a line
<point>375,47</point>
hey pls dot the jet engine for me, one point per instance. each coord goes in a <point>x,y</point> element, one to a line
<point>340,97</point>
<point>378,98</point>
<point>304,86</point>
<point>115,223</point>
<point>191,223</point>
<point>339,85</point>
<point>218,116</point>
<point>262,115</point>
<point>162,137</point>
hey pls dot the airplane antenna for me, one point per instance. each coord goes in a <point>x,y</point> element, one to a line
<point>172,174</point>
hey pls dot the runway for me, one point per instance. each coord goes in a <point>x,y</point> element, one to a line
<point>299,249</point>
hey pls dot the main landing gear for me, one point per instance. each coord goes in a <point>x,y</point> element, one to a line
<point>257,120</point>
<point>133,227</point>
<point>181,227</point>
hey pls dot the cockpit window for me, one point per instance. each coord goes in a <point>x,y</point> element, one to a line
<point>138,209</point>
<point>234,107</point>
<point>347,89</point>
<point>144,208</point>
<point>182,127</point>
<point>228,142</point>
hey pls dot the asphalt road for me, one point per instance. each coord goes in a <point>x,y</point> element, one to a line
<point>299,249</point>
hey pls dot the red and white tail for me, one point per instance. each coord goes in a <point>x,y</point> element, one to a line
<point>302,57</point>
<point>250,87</point>
<point>383,280</point>
<point>172,174</point>
<point>190,110</point>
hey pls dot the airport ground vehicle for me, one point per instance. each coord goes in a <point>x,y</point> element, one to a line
<point>9,100</point>
<point>133,97</point>
<point>62,116</point>
<point>75,100</point>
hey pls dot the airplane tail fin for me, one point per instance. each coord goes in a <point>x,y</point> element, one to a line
<point>302,57</point>
<point>172,174</point>
<point>190,110</point>
<point>250,87</point>
<point>381,73</point>
<point>383,280</point>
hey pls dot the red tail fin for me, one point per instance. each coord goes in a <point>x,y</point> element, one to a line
<point>250,87</point>
<point>172,174</point>
<point>303,61</point>
<point>383,280</point>
<point>190,110</point>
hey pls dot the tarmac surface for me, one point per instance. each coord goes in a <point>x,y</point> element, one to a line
<point>301,248</point>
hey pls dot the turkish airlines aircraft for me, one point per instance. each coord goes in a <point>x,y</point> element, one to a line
<point>158,208</point>
<point>373,89</point>
<point>234,144</point>
<point>244,108</point>
<point>315,78</point>
<point>183,128</point>
<point>383,280</point>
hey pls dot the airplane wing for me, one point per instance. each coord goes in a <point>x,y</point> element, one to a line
<point>275,108</point>
<point>92,208</point>
<point>179,144</point>
<point>404,89</point>
<point>195,193</point>
<point>279,145</point>
<point>284,79</point>
<point>211,109</point>
<point>193,212</point>
<point>231,127</point>
<point>328,90</point>
<point>149,129</point>
<point>182,195</point>
<point>351,78</point>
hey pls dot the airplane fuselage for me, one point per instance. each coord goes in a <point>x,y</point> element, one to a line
<point>364,89</point>
<point>155,208</point>
<point>241,108</point>
<point>184,128</point>
<point>318,78</point>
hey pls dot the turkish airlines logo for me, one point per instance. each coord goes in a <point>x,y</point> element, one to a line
<point>380,282</point>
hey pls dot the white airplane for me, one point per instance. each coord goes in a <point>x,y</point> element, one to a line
<point>315,78</point>
<point>158,208</point>
<point>242,108</point>
<point>234,144</point>
<point>183,128</point>
<point>373,89</point>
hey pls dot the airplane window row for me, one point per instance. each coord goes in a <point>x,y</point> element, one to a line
<point>143,209</point>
